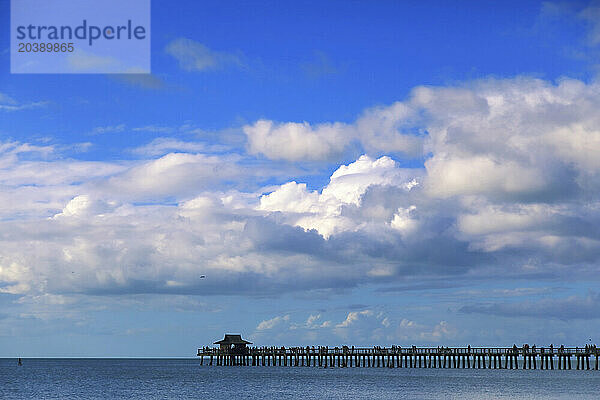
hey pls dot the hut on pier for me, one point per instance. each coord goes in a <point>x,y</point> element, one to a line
<point>234,344</point>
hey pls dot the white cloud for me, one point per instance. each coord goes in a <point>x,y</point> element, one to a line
<point>291,197</point>
<point>349,182</point>
<point>476,175</point>
<point>376,327</point>
<point>297,141</point>
<point>314,322</point>
<point>492,219</point>
<point>156,129</point>
<point>353,317</point>
<point>165,145</point>
<point>56,172</point>
<point>324,211</point>
<point>390,130</point>
<point>517,138</point>
<point>360,327</point>
<point>576,143</point>
<point>81,61</point>
<point>272,323</point>
<point>377,130</point>
<point>508,191</point>
<point>7,103</point>
<point>99,130</point>
<point>521,138</point>
<point>174,174</point>
<point>404,221</point>
<point>84,206</point>
<point>195,56</point>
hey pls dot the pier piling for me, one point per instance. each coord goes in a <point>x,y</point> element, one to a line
<point>586,358</point>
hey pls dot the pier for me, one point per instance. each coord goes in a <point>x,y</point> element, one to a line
<point>233,351</point>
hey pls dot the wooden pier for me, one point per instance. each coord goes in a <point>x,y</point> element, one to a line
<point>524,357</point>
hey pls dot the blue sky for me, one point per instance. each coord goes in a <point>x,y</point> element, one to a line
<point>341,172</point>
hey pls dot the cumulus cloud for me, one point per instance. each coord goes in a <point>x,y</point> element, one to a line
<point>315,322</point>
<point>510,180</point>
<point>362,327</point>
<point>296,141</point>
<point>271,323</point>
<point>101,241</point>
<point>36,181</point>
<point>326,211</point>
<point>520,138</point>
<point>173,174</point>
<point>510,146</point>
<point>353,317</point>
<point>508,190</point>
<point>372,326</point>
<point>84,206</point>
<point>391,129</point>
<point>378,130</point>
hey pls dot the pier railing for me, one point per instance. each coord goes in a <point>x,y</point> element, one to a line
<point>526,357</point>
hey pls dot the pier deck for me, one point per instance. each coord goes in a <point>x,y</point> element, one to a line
<point>524,357</point>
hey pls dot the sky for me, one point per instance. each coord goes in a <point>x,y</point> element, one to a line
<point>309,173</point>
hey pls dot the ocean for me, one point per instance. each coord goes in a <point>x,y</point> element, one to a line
<point>185,379</point>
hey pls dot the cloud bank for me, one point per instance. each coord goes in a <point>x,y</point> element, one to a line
<point>508,189</point>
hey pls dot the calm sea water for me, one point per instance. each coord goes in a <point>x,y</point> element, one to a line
<point>186,379</point>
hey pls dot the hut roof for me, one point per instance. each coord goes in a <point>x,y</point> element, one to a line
<point>233,339</point>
